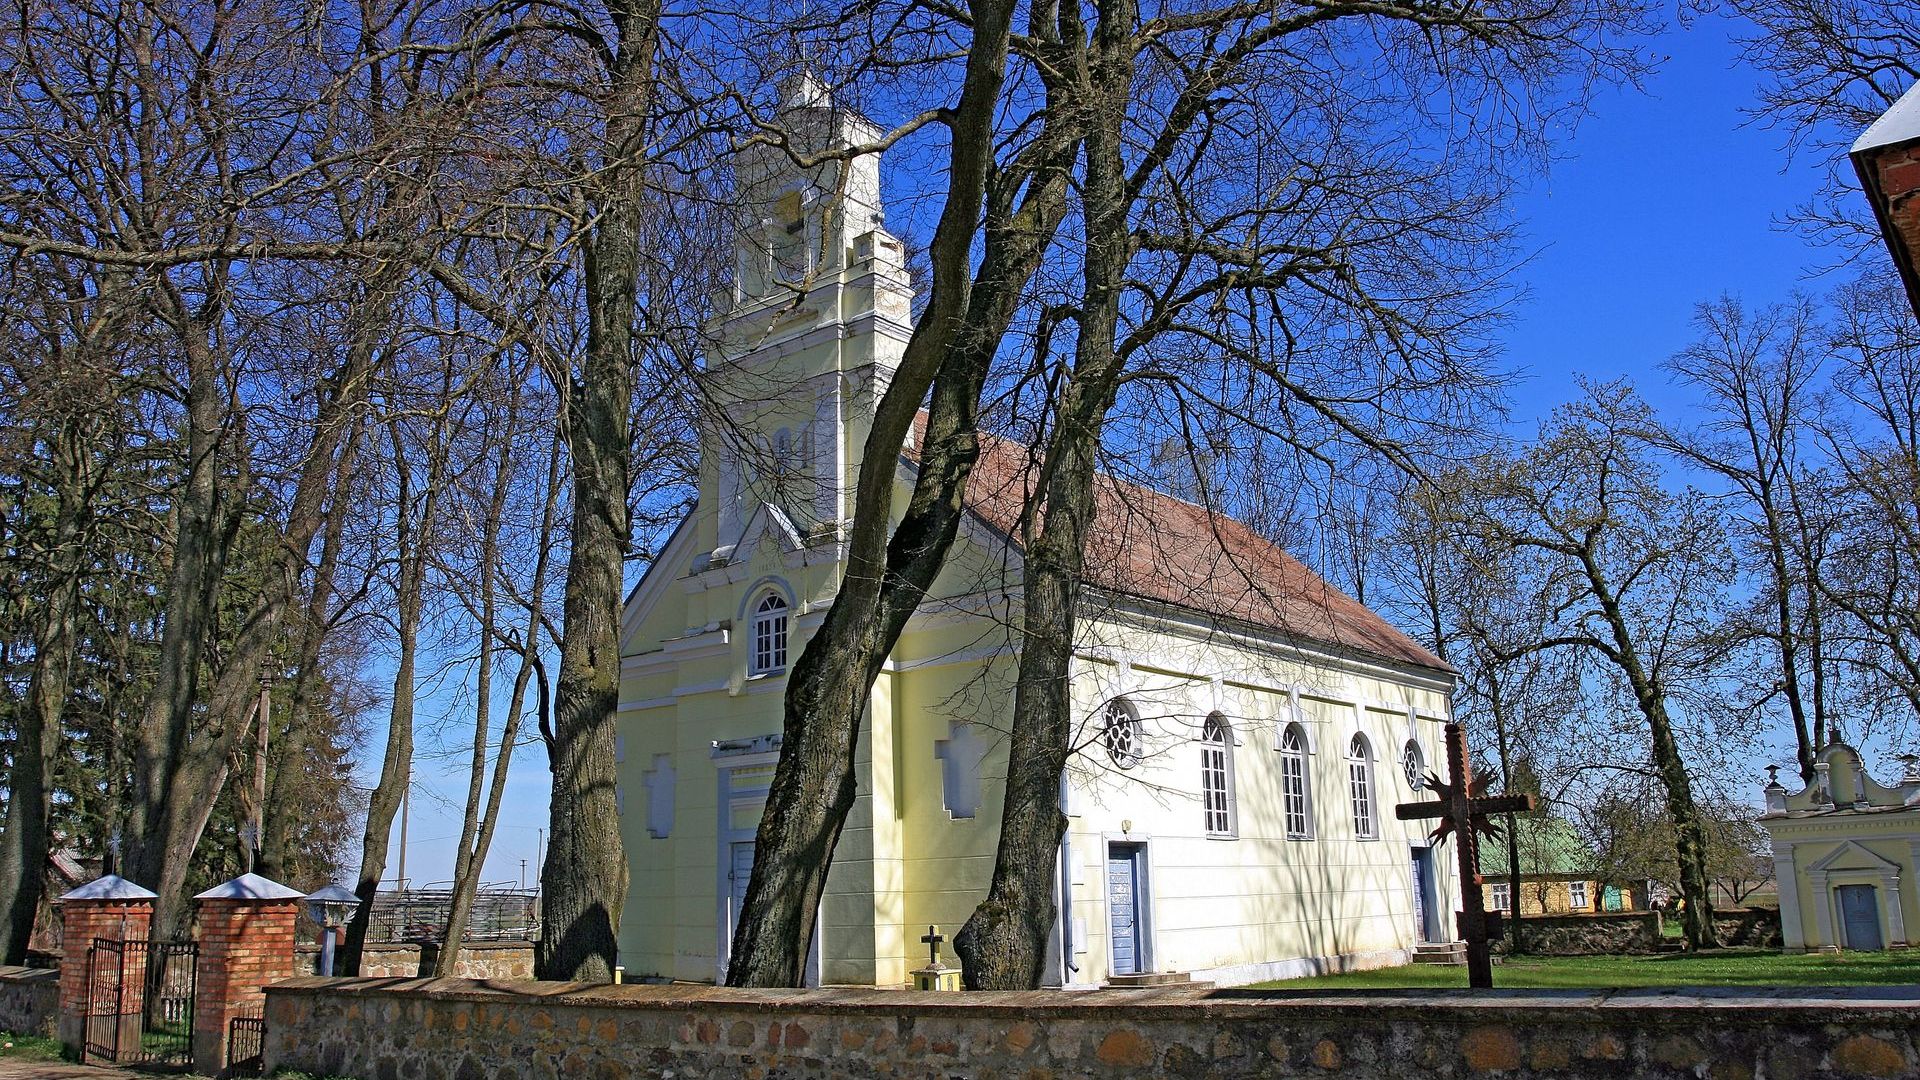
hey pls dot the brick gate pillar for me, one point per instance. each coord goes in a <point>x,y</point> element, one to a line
<point>246,942</point>
<point>108,907</point>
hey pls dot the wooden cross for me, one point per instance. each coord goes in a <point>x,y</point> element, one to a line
<point>1466,810</point>
<point>932,939</point>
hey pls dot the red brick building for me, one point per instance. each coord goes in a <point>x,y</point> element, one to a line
<point>1887,157</point>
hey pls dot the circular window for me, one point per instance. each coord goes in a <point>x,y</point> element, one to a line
<point>1120,733</point>
<point>1414,764</point>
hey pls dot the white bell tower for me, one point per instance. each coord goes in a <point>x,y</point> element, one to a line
<point>809,336</point>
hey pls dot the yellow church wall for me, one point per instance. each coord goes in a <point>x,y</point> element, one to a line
<point>1893,837</point>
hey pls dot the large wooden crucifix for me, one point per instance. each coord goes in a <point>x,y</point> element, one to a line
<point>1465,810</point>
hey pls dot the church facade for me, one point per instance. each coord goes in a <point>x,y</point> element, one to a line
<point>1244,729</point>
<point>1846,855</point>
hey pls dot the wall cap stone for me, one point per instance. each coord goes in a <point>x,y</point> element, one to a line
<point>1744,1005</point>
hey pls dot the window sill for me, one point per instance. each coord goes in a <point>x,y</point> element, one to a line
<point>1300,836</point>
<point>1223,836</point>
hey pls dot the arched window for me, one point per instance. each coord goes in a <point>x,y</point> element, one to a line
<point>1414,764</point>
<point>768,636</point>
<point>1296,791</point>
<point>1366,824</point>
<point>1216,776</point>
<point>1120,733</point>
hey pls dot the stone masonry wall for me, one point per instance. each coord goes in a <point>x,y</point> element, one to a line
<point>412,959</point>
<point>1756,927</point>
<point>1588,935</point>
<point>456,1030</point>
<point>29,1000</point>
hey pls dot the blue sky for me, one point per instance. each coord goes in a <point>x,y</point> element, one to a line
<point>1665,197</point>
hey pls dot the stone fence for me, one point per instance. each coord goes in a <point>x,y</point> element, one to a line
<point>456,1029</point>
<point>1630,932</point>
<point>413,959</point>
<point>1757,927</point>
<point>1587,935</point>
<point>29,1000</point>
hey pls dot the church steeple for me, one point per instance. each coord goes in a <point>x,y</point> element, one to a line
<point>816,321</point>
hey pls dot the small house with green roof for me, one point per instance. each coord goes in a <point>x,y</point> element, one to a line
<point>1558,874</point>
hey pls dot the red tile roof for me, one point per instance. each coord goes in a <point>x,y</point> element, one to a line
<point>1149,545</point>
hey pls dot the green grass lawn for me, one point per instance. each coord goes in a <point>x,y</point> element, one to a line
<point>28,1047</point>
<point>1724,967</point>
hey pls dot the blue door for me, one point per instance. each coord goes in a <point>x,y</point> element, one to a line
<point>1423,896</point>
<point>1123,907</point>
<point>1860,917</point>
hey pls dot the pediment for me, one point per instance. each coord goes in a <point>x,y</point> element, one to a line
<point>1853,855</point>
<point>671,563</point>
<point>769,526</point>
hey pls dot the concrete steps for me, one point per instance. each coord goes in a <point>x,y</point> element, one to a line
<point>1452,953</point>
<point>1153,978</point>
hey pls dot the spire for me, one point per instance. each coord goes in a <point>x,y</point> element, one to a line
<point>804,90</point>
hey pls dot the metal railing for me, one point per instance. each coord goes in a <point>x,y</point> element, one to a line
<point>246,1045</point>
<point>421,915</point>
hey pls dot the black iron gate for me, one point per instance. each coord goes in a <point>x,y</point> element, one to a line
<point>246,1037</point>
<point>140,1002</point>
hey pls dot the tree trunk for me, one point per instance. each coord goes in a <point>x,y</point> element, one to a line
<point>412,540</point>
<point>290,743</point>
<point>953,345</point>
<point>1003,945</point>
<point>827,692</point>
<point>584,882</point>
<point>25,839</point>
<point>477,827</point>
<point>1504,745</point>
<point>1690,839</point>
<point>154,849</point>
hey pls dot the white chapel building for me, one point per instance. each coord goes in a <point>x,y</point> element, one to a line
<point>1246,729</point>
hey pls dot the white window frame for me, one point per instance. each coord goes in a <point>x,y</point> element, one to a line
<point>1296,783</point>
<point>1413,764</point>
<point>1500,896</point>
<point>1218,811</point>
<point>767,635</point>
<point>1360,789</point>
<point>1577,898</point>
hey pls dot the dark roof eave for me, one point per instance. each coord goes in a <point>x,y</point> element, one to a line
<point>1903,259</point>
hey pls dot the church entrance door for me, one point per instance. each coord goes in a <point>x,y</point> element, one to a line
<point>1425,904</point>
<point>1860,915</point>
<point>1123,908</point>
<point>739,872</point>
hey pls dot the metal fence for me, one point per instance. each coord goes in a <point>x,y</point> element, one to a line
<point>246,1039</point>
<point>421,915</point>
<point>139,1005</point>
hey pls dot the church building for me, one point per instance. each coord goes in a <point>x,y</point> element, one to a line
<point>1846,854</point>
<point>1245,729</point>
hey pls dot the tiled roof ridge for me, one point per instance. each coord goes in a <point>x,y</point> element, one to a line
<point>1270,580</point>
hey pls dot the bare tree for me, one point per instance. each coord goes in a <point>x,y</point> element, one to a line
<point>482,813</point>
<point>1636,570</point>
<point>1759,374</point>
<point>1013,208</point>
<point>1185,247</point>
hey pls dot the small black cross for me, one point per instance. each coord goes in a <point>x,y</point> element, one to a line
<point>932,940</point>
